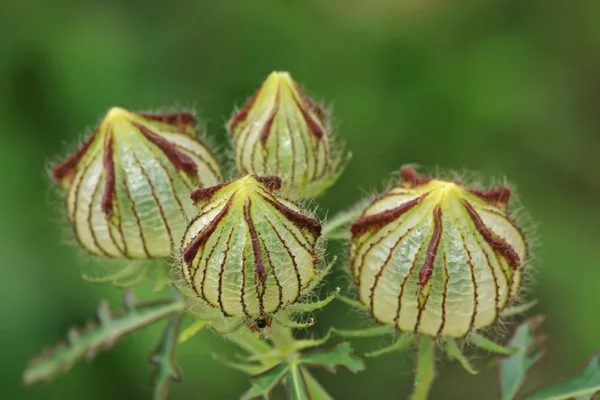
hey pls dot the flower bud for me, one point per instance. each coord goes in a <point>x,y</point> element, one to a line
<point>128,186</point>
<point>434,257</point>
<point>282,132</point>
<point>250,253</point>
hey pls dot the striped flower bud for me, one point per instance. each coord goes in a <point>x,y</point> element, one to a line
<point>250,253</point>
<point>434,257</point>
<point>282,132</point>
<point>128,186</point>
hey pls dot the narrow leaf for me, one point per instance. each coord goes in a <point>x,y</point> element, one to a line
<point>486,344</point>
<point>338,356</point>
<point>191,330</point>
<point>454,353</point>
<point>583,385</point>
<point>263,384</point>
<point>163,357</point>
<point>400,344</point>
<point>371,331</point>
<point>317,392</point>
<point>515,368</point>
<point>98,336</point>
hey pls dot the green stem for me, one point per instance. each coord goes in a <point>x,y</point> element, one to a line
<point>338,227</point>
<point>317,392</point>
<point>425,373</point>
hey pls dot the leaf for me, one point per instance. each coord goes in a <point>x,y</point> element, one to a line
<point>163,357</point>
<point>583,385</point>
<point>296,385</point>
<point>338,356</point>
<point>317,392</point>
<point>515,367</point>
<point>191,330</point>
<point>263,384</point>
<point>99,335</point>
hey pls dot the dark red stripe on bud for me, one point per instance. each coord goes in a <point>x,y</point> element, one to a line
<point>376,221</point>
<point>432,248</point>
<point>192,249</point>
<point>66,167</point>
<point>181,161</point>
<point>242,114</point>
<point>313,127</point>
<point>260,268</point>
<point>498,244</point>
<point>410,177</point>
<point>272,182</point>
<point>109,170</point>
<point>495,197</point>
<point>316,108</point>
<point>204,195</point>
<point>180,119</point>
<point>310,224</point>
<point>266,129</point>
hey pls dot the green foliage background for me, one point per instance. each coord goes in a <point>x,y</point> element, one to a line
<point>506,87</point>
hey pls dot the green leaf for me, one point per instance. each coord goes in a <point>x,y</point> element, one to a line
<point>454,353</point>
<point>317,392</point>
<point>163,357</point>
<point>264,383</point>
<point>99,335</point>
<point>338,356</point>
<point>296,385</point>
<point>191,330</point>
<point>515,367</point>
<point>583,385</point>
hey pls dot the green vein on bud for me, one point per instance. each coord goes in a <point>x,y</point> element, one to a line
<point>432,257</point>
<point>283,132</point>
<point>249,253</point>
<point>127,187</point>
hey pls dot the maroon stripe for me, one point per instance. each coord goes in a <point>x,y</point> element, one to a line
<point>300,220</point>
<point>316,108</point>
<point>182,161</point>
<point>265,131</point>
<point>108,161</point>
<point>273,183</point>
<point>444,295</point>
<point>410,176</point>
<point>260,268</point>
<point>66,167</point>
<point>498,244</point>
<point>495,196</point>
<point>313,126</point>
<point>204,195</point>
<point>181,120</point>
<point>376,221</point>
<point>432,248</point>
<point>222,273</point>
<point>243,113</point>
<point>192,249</point>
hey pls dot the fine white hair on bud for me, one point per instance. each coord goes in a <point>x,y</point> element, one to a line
<point>250,253</point>
<point>127,187</point>
<point>283,132</point>
<point>433,257</point>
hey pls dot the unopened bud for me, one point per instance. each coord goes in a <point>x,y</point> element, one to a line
<point>434,257</point>
<point>250,253</point>
<point>128,186</point>
<point>282,132</point>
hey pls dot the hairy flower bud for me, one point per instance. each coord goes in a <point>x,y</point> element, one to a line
<point>250,253</point>
<point>282,132</point>
<point>433,257</point>
<point>128,186</point>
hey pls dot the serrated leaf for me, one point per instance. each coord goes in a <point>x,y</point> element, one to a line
<point>163,357</point>
<point>583,385</point>
<point>515,367</point>
<point>338,356</point>
<point>296,385</point>
<point>263,384</point>
<point>99,335</point>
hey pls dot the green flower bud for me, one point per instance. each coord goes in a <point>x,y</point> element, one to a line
<point>282,132</point>
<point>434,257</point>
<point>250,253</point>
<point>128,186</point>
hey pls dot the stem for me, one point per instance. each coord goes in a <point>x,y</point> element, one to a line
<point>317,392</point>
<point>338,226</point>
<point>425,373</point>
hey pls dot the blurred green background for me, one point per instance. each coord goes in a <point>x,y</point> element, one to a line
<point>509,88</point>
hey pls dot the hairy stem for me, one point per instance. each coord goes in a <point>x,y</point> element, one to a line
<point>425,373</point>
